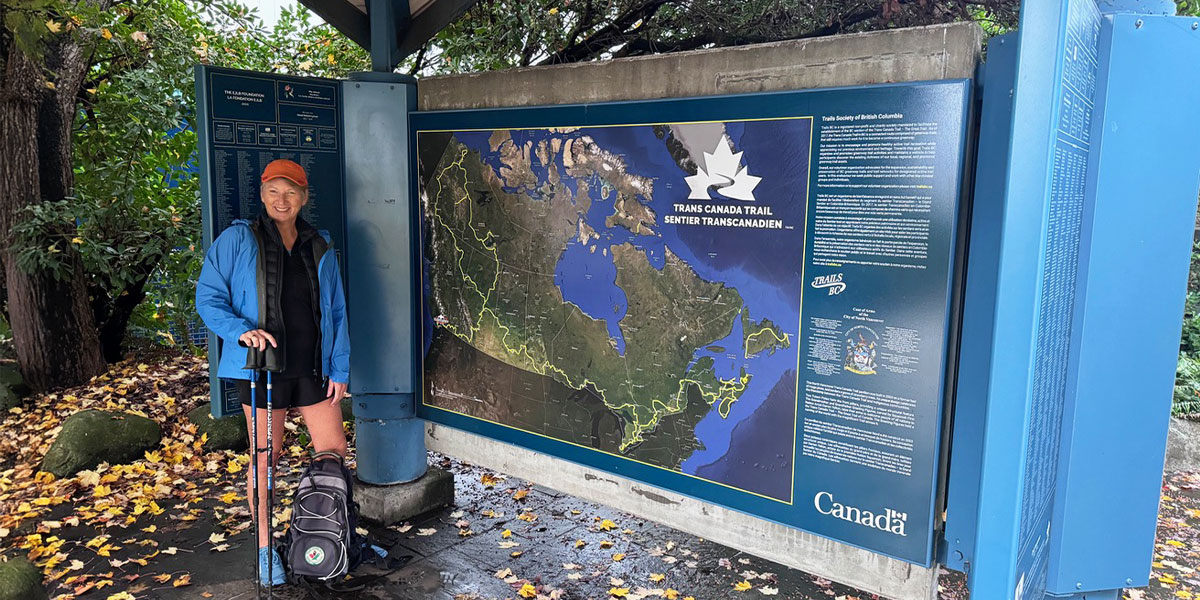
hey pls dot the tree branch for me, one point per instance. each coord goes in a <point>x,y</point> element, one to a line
<point>608,36</point>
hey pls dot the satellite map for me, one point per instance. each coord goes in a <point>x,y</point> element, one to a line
<point>634,289</point>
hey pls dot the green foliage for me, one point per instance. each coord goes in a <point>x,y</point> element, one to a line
<point>1187,8</point>
<point>1187,372</point>
<point>499,34</point>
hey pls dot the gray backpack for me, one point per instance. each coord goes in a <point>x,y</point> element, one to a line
<point>323,543</point>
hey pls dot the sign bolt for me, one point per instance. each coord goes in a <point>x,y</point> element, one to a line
<point>1195,26</point>
<point>1129,581</point>
<point>1138,23</point>
<point>1078,585</point>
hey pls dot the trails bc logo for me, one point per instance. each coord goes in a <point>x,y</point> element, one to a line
<point>723,172</point>
<point>888,521</point>
<point>314,555</point>
<point>832,282</point>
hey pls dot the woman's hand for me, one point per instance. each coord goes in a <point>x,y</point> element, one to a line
<point>335,392</point>
<point>257,338</point>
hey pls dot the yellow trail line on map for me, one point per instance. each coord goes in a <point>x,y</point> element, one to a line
<point>544,367</point>
<point>769,330</point>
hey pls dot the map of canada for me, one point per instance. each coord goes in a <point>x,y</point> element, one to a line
<point>634,290</point>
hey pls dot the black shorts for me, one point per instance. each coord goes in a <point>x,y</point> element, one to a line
<point>285,393</point>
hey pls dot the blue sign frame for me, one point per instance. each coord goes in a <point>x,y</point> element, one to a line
<point>826,492</point>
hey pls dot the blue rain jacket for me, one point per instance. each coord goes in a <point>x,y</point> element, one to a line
<point>227,300</point>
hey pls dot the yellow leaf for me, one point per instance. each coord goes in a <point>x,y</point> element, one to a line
<point>580,543</point>
<point>1175,543</point>
<point>489,480</point>
<point>618,592</point>
<point>118,595</point>
<point>516,554</point>
<point>101,491</point>
<point>506,533</point>
<point>671,594</point>
<point>607,525</point>
<point>106,33</point>
<point>150,529</point>
<point>1186,595</point>
<point>43,477</point>
<point>520,494</point>
<point>606,544</point>
<point>229,498</point>
<point>657,577</point>
<point>77,240</point>
<point>53,26</point>
<point>553,10</point>
<point>742,586</point>
<point>618,557</point>
<point>163,578</point>
<point>53,247</point>
<point>182,580</point>
<point>527,591</point>
<point>527,517</point>
<point>155,456</point>
<point>332,60</point>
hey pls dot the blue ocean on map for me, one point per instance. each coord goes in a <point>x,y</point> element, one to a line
<point>763,265</point>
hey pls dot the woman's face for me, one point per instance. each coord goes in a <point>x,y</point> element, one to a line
<point>283,199</point>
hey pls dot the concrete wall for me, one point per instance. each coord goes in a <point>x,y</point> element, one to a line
<point>918,54</point>
<point>927,53</point>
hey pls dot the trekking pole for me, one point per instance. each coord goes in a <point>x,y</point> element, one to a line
<point>254,514</point>
<point>270,495</point>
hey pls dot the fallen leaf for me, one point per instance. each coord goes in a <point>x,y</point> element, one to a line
<point>618,557</point>
<point>618,592</point>
<point>165,577</point>
<point>429,531</point>
<point>501,574</point>
<point>506,533</point>
<point>580,543</point>
<point>217,538</point>
<point>657,577</point>
<point>742,586</point>
<point>516,554</point>
<point>527,591</point>
<point>768,591</point>
<point>182,580</point>
<point>520,494</point>
<point>607,525</point>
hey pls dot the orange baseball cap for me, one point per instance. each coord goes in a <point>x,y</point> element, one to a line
<point>286,169</point>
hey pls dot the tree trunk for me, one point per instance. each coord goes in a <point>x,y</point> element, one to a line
<point>53,330</point>
<point>112,314</point>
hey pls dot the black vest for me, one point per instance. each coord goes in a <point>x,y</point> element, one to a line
<point>270,288</point>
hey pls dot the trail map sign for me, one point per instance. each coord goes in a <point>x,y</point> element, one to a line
<point>744,299</point>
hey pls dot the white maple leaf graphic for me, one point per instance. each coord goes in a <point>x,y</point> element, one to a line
<point>723,171</point>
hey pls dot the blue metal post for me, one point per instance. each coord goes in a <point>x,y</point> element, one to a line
<point>1139,220</point>
<point>384,297</point>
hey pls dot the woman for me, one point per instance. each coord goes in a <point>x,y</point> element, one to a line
<point>301,316</point>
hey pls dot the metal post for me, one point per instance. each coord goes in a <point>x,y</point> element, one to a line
<point>389,19</point>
